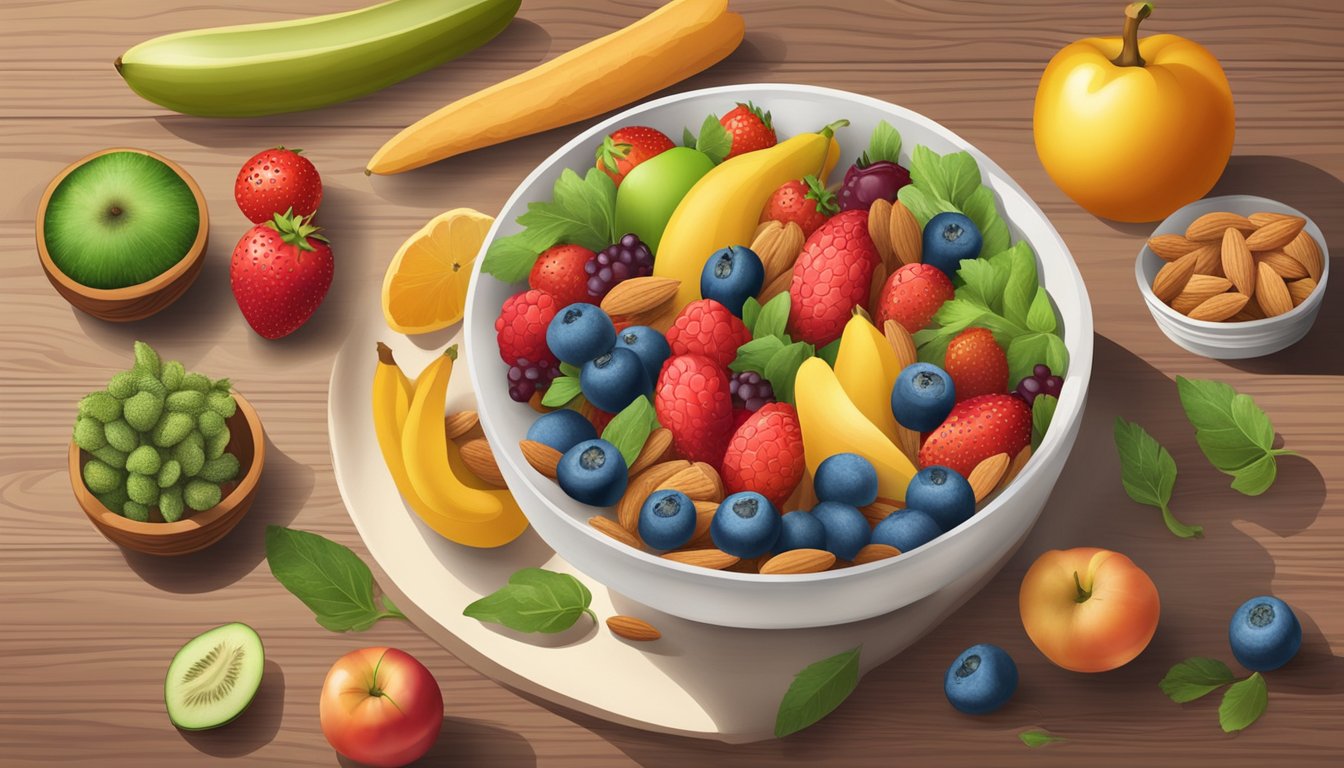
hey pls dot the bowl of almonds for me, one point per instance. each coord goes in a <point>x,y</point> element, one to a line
<point>1234,277</point>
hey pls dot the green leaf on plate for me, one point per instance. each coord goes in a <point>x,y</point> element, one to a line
<point>830,352</point>
<point>751,309</point>
<point>535,600</point>
<point>1243,703</point>
<point>816,691</point>
<point>1039,738</point>
<point>1148,473</point>
<point>1042,413</point>
<point>1041,314</point>
<point>756,354</point>
<point>629,429</point>
<point>884,146</point>
<point>714,140</point>
<point>510,258</point>
<point>328,577</point>
<point>773,319</point>
<point>783,366</point>
<point>561,391</point>
<point>1195,677</point>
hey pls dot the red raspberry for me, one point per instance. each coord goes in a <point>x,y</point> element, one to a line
<point>912,295</point>
<point>521,327</point>
<point>693,402</point>
<point>977,364</point>
<point>765,455</point>
<point>707,328</point>
<point>833,274</point>
<point>559,272</point>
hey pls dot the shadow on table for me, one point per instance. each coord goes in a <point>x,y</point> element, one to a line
<point>254,728</point>
<point>285,486</point>
<point>471,743</point>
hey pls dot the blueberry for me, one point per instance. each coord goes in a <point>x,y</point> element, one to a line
<point>580,332</point>
<point>906,530</point>
<point>800,529</point>
<point>667,519</point>
<point>981,680</point>
<point>650,345</point>
<point>943,494</point>
<point>613,380</point>
<point>847,530</point>
<point>847,478</point>
<point>593,472</point>
<point>1264,634</point>
<point>922,397</point>
<point>949,238</point>
<point>745,525</point>
<point>731,276</point>
<point>561,430</point>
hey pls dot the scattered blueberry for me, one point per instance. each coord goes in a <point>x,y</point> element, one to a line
<point>580,332</point>
<point>847,530</point>
<point>1040,382</point>
<point>948,238</point>
<point>613,380</point>
<point>650,345</point>
<point>745,525</point>
<point>667,519</point>
<point>593,472</point>
<point>1264,634</point>
<point>906,529</point>
<point>800,529</point>
<point>847,478</point>
<point>922,397</point>
<point>561,429</point>
<point>943,494</point>
<point>981,680</point>
<point>731,276</point>
<point>629,257</point>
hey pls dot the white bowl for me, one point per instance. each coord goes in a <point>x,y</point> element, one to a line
<point>978,547</point>
<point>1230,341</point>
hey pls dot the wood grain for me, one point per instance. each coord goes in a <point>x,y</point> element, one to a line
<point>89,629</point>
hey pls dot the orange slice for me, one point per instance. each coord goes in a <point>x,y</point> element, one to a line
<point>426,284</point>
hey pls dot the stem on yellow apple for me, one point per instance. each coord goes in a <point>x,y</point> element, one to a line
<point>1083,594</point>
<point>1129,56</point>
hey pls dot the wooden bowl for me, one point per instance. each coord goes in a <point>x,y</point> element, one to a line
<point>135,302</point>
<point>197,530</point>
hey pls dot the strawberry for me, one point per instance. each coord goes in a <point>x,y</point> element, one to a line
<point>765,454</point>
<point>693,402</point>
<point>749,128</point>
<point>912,295</point>
<point>280,272</point>
<point>977,364</point>
<point>627,147</point>
<point>559,272</point>
<point>276,180</point>
<point>706,327</point>
<point>976,429</point>
<point>833,274</point>
<point>805,202</point>
<point>521,327</point>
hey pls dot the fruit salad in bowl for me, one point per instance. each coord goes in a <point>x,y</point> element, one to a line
<point>777,356</point>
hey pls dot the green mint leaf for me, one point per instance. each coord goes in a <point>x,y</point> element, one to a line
<point>1039,738</point>
<point>327,577</point>
<point>1233,432</point>
<point>922,203</point>
<point>569,370</point>
<point>534,600</point>
<point>1195,677</point>
<point>816,691</point>
<point>1243,703</point>
<point>983,282</point>
<point>687,138</point>
<point>1042,413</point>
<point>773,319</point>
<point>982,209</point>
<point>510,258</point>
<point>629,429</point>
<point>581,211</point>
<point>830,352</point>
<point>751,310</point>
<point>714,140</point>
<point>782,369</point>
<point>953,177</point>
<point>1149,473</point>
<point>1041,315</point>
<point>1022,283</point>
<point>1256,477</point>
<point>885,145</point>
<point>561,391</point>
<point>755,354</point>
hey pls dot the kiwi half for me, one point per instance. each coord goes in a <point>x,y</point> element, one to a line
<point>213,677</point>
<point>119,220</point>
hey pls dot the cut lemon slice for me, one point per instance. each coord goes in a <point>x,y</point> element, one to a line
<point>426,284</point>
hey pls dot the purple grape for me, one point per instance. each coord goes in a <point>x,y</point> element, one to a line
<point>750,391</point>
<point>1040,382</point>
<point>1040,371</point>
<point>866,182</point>
<point>526,378</point>
<point>627,258</point>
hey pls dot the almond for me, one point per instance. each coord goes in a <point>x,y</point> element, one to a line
<point>712,475</point>
<point>1220,307</point>
<point>881,509</point>
<point>1197,290</point>
<point>631,628</point>
<point>779,250</point>
<point>1171,247</point>
<point>804,495</point>
<point>541,456</point>
<point>1173,276</point>
<point>879,228</point>
<point>458,424</point>
<point>875,285</point>
<point>1261,218</point>
<point>908,442</point>
<point>1306,250</point>
<point>1209,260</point>
<point>1211,226</point>
<point>1286,266</point>
<point>765,226</point>
<point>1016,466</point>
<point>799,561</point>
<point>987,474</point>
<point>777,286</point>
<point>907,238</point>
<point>871,553</point>
<point>704,517</point>
<point>478,457</point>
<point>902,343</point>
<point>1271,292</point>
<point>714,559</point>
<point>1251,311</point>
<point>639,488</point>
<point>655,445</point>
<point>1301,289</point>
<point>691,481</point>
<point>1238,264</point>
<point>615,530</point>
<point>1275,234</point>
<point>639,295</point>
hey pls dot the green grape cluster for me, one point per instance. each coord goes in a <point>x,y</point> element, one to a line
<point>157,436</point>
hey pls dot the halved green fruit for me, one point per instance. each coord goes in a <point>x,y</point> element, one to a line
<point>213,677</point>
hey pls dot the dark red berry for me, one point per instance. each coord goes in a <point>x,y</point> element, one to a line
<point>627,258</point>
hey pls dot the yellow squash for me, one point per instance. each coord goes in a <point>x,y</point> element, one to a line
<point>866,367</point>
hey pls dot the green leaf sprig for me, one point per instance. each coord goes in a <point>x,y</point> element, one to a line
<point>1233,432</point>
<point>772,352</point>
<point>816,691</point>
<point>630,429</point>
<point>1039,738</point>
<point>1148,473</point>
<point>582,211</point>
<point>535,600</point>
<point>713,139</point>
<point>884,146</point>
<point>951,182</point>
<point>1243,702</point>
<point>1042,413</point>
<point>328,577</point>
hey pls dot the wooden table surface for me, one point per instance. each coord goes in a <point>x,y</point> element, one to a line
<point>88,629</point>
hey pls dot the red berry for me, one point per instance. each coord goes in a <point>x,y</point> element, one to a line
<point>521,327</point>
<point>833,274</point>
<point>280,272</point>
<point>977,364</point>
<point>706,327</point>
<point>765,454</point>
<point>627,147</point>
<point>275,181</point>
<point>559,272</point>
<point>912,295</point>
<point>749,128</point>
<point>693,402</point>
<point>976,429</point>
<point>805,202</point>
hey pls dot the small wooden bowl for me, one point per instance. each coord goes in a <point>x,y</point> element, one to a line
<point>134,302</point>
<point>197,530</point>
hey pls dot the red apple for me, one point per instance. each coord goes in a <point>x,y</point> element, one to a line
<point>381,707</point>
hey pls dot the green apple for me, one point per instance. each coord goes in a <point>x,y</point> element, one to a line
<point>652,190</point>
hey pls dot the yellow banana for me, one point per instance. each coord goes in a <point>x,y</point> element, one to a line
<point>867,368</point>
<point>832,424</point>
